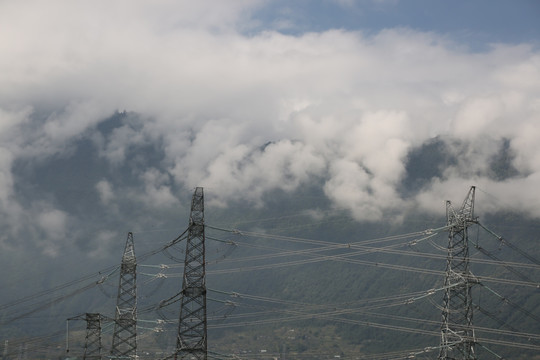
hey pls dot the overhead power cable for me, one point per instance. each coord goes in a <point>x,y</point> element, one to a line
<point>511,303</point>
<point>294,315</point>
<point>367,309</point>
<point>511,246</point>
<point>347,258</point>
<point>389,249</point>
<point>47,303</point>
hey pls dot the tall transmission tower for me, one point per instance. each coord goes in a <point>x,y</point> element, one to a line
<point>92,345</point>
<point>124,344</point>
<point>457,332</point>
<point>191,342</point>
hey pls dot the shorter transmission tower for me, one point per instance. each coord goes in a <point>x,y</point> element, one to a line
<point>124,344</point>
<point>457,332</point>
<point>191,342</point>
<point>5,353</point>
<point>92,345</point>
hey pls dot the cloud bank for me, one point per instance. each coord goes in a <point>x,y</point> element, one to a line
<point>245,113</point>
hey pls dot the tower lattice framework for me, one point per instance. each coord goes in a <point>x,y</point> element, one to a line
<point>192,329</point>
<point>457,332</point>
<point>124,344</point>
<point>92,345</point>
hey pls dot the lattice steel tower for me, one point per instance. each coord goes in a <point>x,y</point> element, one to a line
<point>457,332</point>
<point>92,345</point>
<point>124,344</point>
<point>191,342</point>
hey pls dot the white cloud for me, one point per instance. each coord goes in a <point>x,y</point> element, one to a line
<point>6,178</point>
<point>53,223</point>
<point>158,192</point>
<point>105,192</point>
<point>526,144</point>
<point>336,105</point>
<point>491,196</point>
<point>75,118</point>
<point>102,242</point>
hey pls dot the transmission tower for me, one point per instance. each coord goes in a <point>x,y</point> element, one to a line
<point>124,344</point>
<point>191,342</point>
<point>5,353</point>
<point>23,349</point>
<point>92,345</point>
<point>457,332</point>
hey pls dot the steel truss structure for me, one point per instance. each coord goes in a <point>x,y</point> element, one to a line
<point>92,345</point>
<point>192,329</point>
<point>457,332</point>
<point>124,344</point>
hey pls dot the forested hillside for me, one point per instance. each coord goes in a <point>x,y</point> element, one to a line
<point>291,276</point>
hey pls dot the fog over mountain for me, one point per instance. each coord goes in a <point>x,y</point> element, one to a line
<point>157,99</point>
<point>322,131</point>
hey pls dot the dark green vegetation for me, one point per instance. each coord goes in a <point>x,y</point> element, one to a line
<point>295,277</point>
<point>308,303</point>
<point>362,298</point>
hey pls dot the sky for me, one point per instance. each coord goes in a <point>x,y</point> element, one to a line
<point>245,97</point>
